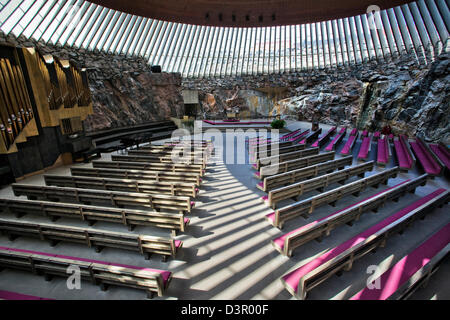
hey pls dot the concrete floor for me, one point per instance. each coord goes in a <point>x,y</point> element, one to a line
<point>227,252</point>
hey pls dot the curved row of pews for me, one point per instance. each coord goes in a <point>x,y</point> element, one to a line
<point>141,192</point>
<point>293,180</point>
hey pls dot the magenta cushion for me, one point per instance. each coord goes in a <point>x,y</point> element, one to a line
<point>280,240</point>
<point>364,150</point>
<point>391,280</point>
<point>442,153</point>
<point>292,279</point>
<point>348,145</point>
<point>427,161</point>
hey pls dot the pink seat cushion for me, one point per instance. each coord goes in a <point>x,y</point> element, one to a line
<point>377,134</point>
<point>315,144</point>
<point>192,204</point>
<point>354,132</point>
<point>427,161</point>
<point>303,142</point>
<point>257,174</point>
<point>255,166</point>
<point>271,216</point>
<point>383,155</point>
<point>265,198</point>
<point>280,241</point>
<point>402,271</point>
<point>7,295</point>
<point>348,145</point>
<point>442,153</point>
<point>178,243</point>
<point>261,184</point>
<point>365,133</point>
<point>187,220</point>
<point>364,150</point>
<point>404,160</point>
<point>292,279</point>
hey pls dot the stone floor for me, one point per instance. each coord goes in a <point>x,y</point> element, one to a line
<point>227,252</point>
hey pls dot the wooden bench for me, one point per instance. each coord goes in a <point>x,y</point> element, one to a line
<point>348,147</point>
<point>93,238</point>
<point>384,152</point>
<point>341,258</point>
<point>285,157</point>
<point>266,148</point>
<point>290,177</point>
<point>412,271</point>
<point>324,139</point>
<point>404,154</point>
<point>97,272</point>
<point>297,189</point>
<point>166,167</point>
<point>443,154</point>
<point>92,214</point>
<point>159,176</point>
<point>318,229</point>
<point>150,159</point>
<point>8,295</point>
<point>108,198</point>
<point>260,140</point>
<point>306,207</point>
<point>268,153</point>
<point>293,165</point>
<point>428,160</point>
<point>364,150</point>
<point>125,185</point>
<point>311,137</point>
<point>337,140</point>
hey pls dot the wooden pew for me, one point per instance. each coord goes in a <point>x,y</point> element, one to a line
<point>443,154</point>
<point>92,214</point>
<point>384,152</point>
<point>348,147</point>
<point>364,150</point>
<point>318,229</point>
<point>290,177</point>
<point>293,164</point>
<point>354,132</point>
<point>342,257</point>
<point>268,153</point>
<point>412,271</point>
<point>285,157</point>
<point>166,167</point>
<point>324,139</point>
<point>93,238</point>
<point>178,153</point>
<point>319,183</point>
<point>150,159</point>
<point>337,140</point>
<point>306,207</point>
<point>98,272</point>
<point>125,185</point>
<point>312,136</point>
<point>404,154</point>
<point>428,160</point>
<point>159,176</point>
<point>260,140</point>
<point>108,198</point>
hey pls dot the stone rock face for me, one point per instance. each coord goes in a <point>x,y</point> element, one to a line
<point>411,97</point>
<point>124,91</point>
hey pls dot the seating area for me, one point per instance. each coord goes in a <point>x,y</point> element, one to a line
<point>384,151</point>
<point>159,195</point>
<point>426,158</point>
<point>337,140</point>
<point>324,139</point>
<point>405,158</point>
<point>443,154</point>
<point>366,147</point>
<point>341,258</point>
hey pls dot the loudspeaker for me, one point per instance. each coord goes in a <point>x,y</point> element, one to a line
<point>156,69</point>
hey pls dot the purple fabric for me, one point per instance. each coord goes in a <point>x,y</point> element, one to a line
<point>332,144</point>
<point>377,134</point>
<point>354,132</point>
<point>303,141</point>
<point>192,204</point>
<point>255,166</point>
<point>404,159</point>
<point>346,150</point>
<point>178,243</point>
<point>383,154</point>
<point>165,274</point>
<point>261,184</point>
<point>280,240</point>
<point>325,136</point>
<point>364,150</point>
<point>402,271</point>
<point>425,158</point>
<point>365,133</point>
<point>7,295</point>
<point>265,198</point>
<point>442,153</point>
<point>258,174</point>
<point>187,220</point>
<point>292,279</point>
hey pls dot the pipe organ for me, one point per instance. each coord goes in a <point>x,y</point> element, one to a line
<point>42,98</point>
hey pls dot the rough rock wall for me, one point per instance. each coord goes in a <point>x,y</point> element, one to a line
<point>411,98</point>
<point>124,91</point>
